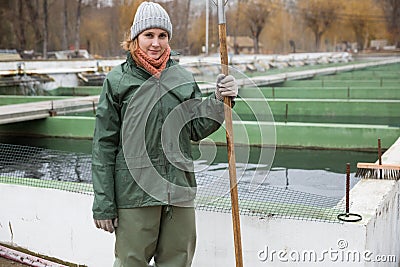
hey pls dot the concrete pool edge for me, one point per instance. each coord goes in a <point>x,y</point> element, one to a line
<point>291,134</point>
<point>63,228</point>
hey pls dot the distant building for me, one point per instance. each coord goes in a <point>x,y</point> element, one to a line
<point>243,44</point>
<point>378,44</point>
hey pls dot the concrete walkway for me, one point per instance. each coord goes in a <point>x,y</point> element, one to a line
<point>44,109</point>
<point>392,155</point>
<point>299,75</point>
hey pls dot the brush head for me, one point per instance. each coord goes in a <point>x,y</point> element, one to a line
<point>376,171</point>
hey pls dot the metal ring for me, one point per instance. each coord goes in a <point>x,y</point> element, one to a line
<point>346,217</point>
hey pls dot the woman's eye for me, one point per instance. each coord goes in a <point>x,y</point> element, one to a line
<point>149,35</point>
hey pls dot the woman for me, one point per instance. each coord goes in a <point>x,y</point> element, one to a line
<point>149,111</point>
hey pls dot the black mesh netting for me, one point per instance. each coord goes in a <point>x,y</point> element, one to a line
<point>45,168</point>
<point>70,171</point>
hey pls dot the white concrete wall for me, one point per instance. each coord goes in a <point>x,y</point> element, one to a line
<point>272,242</point>
<point>54,223</point>
<point>59,224</point>
<point>383,230</point>
<point>330,244</point>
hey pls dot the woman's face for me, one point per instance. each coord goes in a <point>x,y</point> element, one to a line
<point>153,42</point>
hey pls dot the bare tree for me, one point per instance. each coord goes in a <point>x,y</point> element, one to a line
<point>257,14</point>
<point>319,16</point>
<point>33,11</point>
<point>21,26</point>
<point>78,27</point>
<point>45,28</point>
<point>186,23</point>
<point>364,18</point>
<point>24,23</point>
<point>236,22</point>
<point>360,30</point>
<point>392,12</point>
<point>179,11</point>
<point>65,26</point>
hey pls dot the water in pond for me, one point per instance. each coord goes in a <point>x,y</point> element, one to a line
<point>320,172</point>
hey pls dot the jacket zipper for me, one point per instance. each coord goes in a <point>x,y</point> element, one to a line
<point>164,159</point>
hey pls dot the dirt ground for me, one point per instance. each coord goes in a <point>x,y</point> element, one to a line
<point>8,263</point>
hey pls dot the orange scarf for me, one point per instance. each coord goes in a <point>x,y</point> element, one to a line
<point>154,66</point>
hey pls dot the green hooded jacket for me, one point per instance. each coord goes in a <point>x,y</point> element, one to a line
<point>142,139</point>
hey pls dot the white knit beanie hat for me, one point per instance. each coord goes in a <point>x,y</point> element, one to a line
<point>150,15</point>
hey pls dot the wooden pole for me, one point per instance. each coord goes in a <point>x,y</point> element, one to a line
<point>229,138</point>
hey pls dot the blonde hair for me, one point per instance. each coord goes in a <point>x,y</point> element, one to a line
<point>130,45</point>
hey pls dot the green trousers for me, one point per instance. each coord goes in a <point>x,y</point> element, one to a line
<point>166,233</point>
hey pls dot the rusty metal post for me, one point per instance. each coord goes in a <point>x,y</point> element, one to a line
<point>380,157</point>
<point>347,188</point>
<point>348,216</point>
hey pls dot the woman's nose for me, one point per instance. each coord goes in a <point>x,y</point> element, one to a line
<point>155,42</point>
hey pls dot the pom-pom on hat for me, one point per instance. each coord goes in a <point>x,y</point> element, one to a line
<point>150,15</point>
